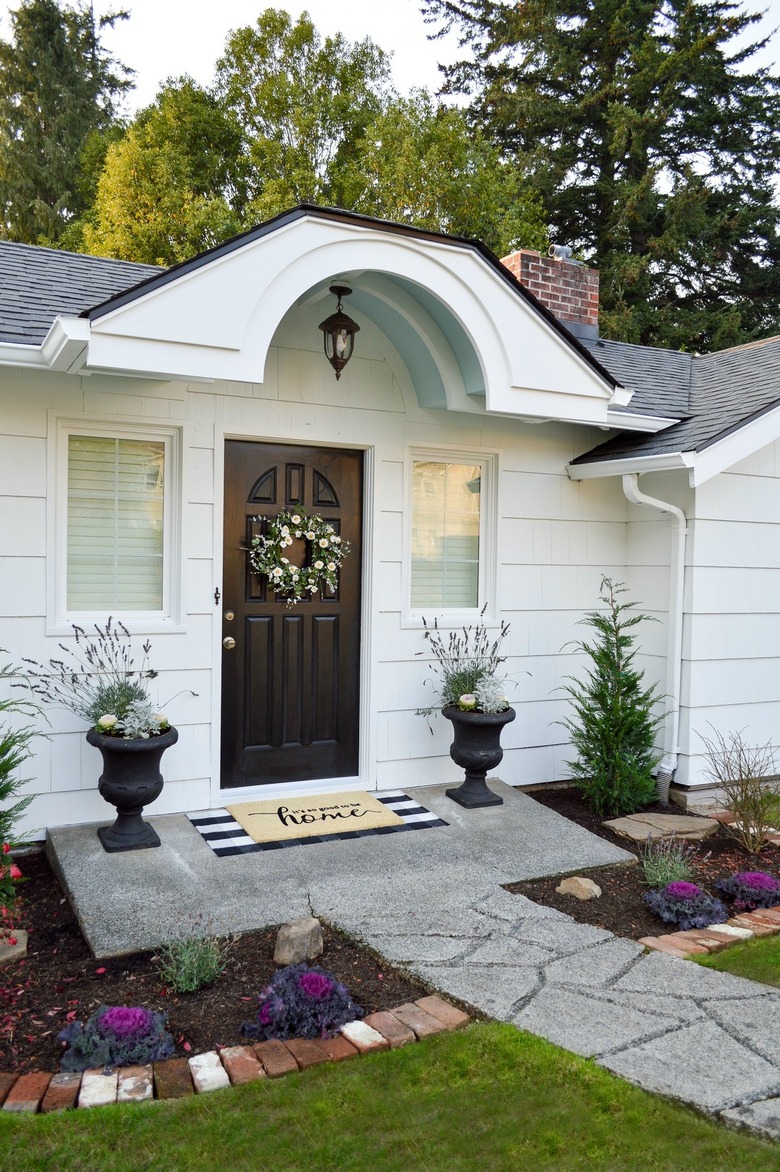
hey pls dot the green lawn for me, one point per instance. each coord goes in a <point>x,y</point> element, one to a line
<point>758,959</point>
<point>488,1097</point>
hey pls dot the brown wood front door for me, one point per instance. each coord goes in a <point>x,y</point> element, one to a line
<point>291,684</point>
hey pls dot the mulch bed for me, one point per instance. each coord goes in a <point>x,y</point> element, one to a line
<point>60,981</point>
<point>620,908</point>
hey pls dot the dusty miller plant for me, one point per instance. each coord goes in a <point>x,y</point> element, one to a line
<point>613,726</point>
<point>748,777</point>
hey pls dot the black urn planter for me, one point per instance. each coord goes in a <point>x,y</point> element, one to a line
<point>477,748</point>
<point>131,779</point>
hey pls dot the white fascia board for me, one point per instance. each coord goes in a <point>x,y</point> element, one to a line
<point>668,462</point>
<point>66,345</point>
<point>739,445</point>
<point>621,397</point>
<point>646,423</point>
<point>14,354</point>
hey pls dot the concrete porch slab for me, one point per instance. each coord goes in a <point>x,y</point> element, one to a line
<point>135,901</point>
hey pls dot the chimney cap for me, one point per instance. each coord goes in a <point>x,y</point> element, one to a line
<point>559,251</point>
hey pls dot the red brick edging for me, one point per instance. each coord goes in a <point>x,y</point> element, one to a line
<point>232,1066</point>
<point>762,922</point>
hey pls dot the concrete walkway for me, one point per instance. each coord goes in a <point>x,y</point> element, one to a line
<point>432,902</point>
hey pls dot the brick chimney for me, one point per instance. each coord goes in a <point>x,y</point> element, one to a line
<point>569,289</point>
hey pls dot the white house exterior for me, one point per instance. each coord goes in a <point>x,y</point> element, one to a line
<point>149,420</point>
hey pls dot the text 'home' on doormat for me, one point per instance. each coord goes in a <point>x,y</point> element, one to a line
<point>283,822</point>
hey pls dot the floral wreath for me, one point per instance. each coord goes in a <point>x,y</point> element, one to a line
<point>266,555</point>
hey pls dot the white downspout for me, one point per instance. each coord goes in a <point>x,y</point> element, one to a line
<point>668,763</point>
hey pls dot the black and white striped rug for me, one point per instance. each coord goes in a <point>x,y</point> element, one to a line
<point>225,837</point>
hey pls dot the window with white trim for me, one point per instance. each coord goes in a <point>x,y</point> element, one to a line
<point>447,536</point>
<point>117,508</point>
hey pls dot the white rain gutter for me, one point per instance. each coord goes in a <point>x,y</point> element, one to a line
<point>668,763</point>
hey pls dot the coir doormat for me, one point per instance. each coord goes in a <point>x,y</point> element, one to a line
<point>226,835</point>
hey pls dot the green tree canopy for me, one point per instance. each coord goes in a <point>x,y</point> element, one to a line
<point>303,105</point>
<point>653,142</point>
<point>57,86</point>
<point>421,163</point>
<point>171,185</point>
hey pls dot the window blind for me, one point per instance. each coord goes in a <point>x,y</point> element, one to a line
<point>115,523</point>
<point>445,535</point>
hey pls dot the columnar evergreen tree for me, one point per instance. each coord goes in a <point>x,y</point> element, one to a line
<point>653,141</point>
<point>57,86</point>
<point>612,726</point>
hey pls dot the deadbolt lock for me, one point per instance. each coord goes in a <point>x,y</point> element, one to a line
<point>228,643</point>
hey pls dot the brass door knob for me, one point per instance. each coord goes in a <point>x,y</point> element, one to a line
<point>228,643</point>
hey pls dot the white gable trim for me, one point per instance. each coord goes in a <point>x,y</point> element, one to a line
<point>217,320</point>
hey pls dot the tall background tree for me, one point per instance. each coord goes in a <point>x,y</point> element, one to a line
<point>654,142</point>
<point>303,105</point>
<point>58,90</point>
<point>171,185</point>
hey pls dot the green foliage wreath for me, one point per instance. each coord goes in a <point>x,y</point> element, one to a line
<point>326,552</point>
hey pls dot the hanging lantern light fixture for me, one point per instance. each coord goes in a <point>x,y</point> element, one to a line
<point>338,332</point>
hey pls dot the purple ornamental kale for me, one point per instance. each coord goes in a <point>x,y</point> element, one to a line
<point>686,905</point>
<point>116,1036</point>
<point>302,1002</point>
<point>751,889</point>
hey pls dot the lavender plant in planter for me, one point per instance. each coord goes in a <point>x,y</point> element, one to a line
<point>98,680</point>
<point>471,695</point>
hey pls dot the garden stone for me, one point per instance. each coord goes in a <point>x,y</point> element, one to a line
<point>579,887</point>
<point>10,952</point>
<point>640,827</point>
<point>298,941</point>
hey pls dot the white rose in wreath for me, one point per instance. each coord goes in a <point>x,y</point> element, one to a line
<point>319,565</point>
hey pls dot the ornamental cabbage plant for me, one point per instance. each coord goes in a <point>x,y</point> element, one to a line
<point>302,1002</point>
<point>686,905</point>
<point>751,889</point>
<point>116,1035</point>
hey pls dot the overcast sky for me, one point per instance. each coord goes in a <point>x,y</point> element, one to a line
<point>166,38</point>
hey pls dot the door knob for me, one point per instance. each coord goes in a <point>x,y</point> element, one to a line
<point>228,643</point>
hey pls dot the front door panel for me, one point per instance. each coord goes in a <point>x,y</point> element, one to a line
<point>291,686</point>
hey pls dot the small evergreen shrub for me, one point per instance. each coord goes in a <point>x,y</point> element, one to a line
<point>686,905</point>
<point>302,1002</point>
<point>667,860</point>
<point>613,727</point>
<point>750,890</point>
<point>193,962</point>
<point>116,1035</point>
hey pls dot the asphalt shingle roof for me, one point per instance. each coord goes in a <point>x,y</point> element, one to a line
<point>728,389</point>
<point>660,379</point>
<point>36,284</point>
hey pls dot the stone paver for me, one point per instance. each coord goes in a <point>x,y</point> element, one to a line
<point>276,1058</point>
<point>11,952</point>
<point>135,1084</point>
<point>208,1073</point>
<point>62,1092</point>
<point>172,1079</point>
<point>449,1015</point>
<point>27,1092</point>
<point>98,1088</point>
<point>639,827</point>
<point>699,1064</point>
<point>337,1049</point>
<point>423,1024</point>
<point>364,1037</point>
<point>242,1064</point>
<point>306,1052</point>
<point>391,1028</point>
